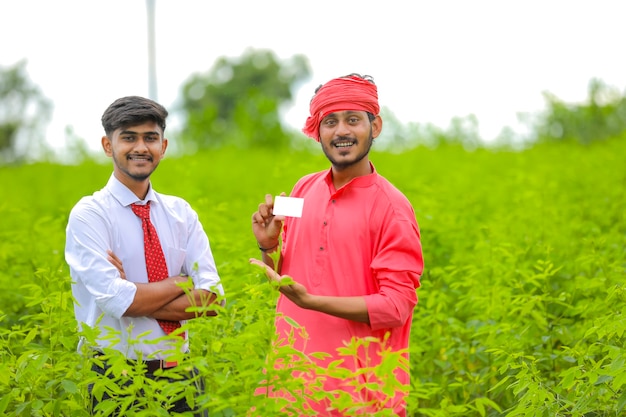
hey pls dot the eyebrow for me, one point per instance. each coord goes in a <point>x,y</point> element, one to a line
<point>132,132</point>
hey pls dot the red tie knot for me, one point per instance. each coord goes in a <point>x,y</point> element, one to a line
<point>141,211</point>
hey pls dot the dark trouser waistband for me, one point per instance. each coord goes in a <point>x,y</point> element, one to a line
<point>153,365</point>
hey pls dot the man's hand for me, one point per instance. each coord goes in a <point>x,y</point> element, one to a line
<point>116,263</point>
<point>265,226</point>
<point>286,285</point>
<point>350,308</point>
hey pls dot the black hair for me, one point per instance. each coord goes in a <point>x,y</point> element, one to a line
<point>131,111</point>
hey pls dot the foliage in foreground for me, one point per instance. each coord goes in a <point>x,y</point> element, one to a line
<point>522,306</point>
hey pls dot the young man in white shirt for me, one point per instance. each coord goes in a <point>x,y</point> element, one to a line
<point>105,248</point>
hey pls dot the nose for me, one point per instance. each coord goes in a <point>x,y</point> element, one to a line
<point>343,128</point>
<point>141,145</point>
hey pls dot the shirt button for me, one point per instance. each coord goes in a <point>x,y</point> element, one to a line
<point>325,223</point>
<point>321,248</point>
<point>332,201</point>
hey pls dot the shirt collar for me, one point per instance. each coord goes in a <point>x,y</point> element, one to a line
<point>124,195</point>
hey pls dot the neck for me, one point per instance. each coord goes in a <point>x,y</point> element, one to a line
<point>343,175</point>
<point>139,187</point>
<point>141,192</point>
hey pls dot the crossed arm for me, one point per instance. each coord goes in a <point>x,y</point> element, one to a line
<point>169,299</point>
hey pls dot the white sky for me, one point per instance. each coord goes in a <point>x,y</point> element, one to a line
<point>432,60</point>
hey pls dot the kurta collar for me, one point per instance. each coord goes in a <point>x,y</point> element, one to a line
<point>360,182</point>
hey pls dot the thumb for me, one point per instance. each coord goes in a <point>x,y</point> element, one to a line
<point>276,225</point>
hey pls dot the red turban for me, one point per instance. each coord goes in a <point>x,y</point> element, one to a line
<point>340,94</point>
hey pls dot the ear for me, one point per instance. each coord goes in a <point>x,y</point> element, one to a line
<point>377,126</point>
<point>107,145</point>
<point>164,143</point>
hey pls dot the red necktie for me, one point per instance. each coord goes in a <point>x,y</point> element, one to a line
<point>155,261</point>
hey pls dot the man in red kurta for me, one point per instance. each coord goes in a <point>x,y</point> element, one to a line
<point>354,254</point>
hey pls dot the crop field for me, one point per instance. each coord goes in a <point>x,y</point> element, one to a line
<point>522,308</point>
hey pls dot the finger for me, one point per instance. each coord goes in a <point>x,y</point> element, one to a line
<point>269,272</point>
<point>258,218</point>
<point>261,265</point>
<point>117,263</point>
<point>257,262</point>
<point>113,256</point>
<point>279,219</point>
<point>265,211</point>
<point>114,261</point>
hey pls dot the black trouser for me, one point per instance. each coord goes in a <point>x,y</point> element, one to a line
<point>179,406</point>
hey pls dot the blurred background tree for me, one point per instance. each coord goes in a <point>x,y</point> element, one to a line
<point>238,102</point>
<point>603,116</point>
<point>24,115</point>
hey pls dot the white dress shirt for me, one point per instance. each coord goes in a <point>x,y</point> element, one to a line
<point>106,221</point>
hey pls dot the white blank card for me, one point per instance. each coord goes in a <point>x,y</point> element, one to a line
<point>288,206</point>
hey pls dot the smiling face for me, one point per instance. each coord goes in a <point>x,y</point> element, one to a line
<point>136,152</point>
<point>346,138</point>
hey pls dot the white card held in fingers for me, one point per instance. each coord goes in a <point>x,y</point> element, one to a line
<point>288,206</point>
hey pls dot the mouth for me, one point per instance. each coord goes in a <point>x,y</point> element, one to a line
<point>343,143</point>
<point>139,158</point>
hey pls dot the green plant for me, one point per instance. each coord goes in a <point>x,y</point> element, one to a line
<point>521,308</point>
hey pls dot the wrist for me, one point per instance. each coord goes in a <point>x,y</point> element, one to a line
<point>267,249</point>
